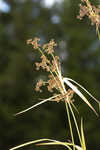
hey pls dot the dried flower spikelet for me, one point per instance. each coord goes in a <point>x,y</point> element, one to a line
<point>51,85</point>
<point>53,67</point>
<point>58,85</point>
<point>54,82</point>
<point>60,97</point>
<point>44,46</point>
<point>55,63</point>
<point>49,48</point>
<point>43,64</point>
<point>38,85</point>
<point>34,42</point>
<point>67,97</point>
<point>93,13</point>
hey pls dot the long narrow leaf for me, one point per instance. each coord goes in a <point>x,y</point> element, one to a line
<point>66,144</point>
<point>57,143</point>
<point>28,143</point>
<point>37,104</point>
<point>74,88</point>
<point>84,89</point>
<point>50,142</point>
<point>82,135</point>
<point>33,106</point>
<point>38,141</point>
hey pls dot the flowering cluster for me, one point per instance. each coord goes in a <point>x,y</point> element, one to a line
<point>93,13</point>
<point>51,64</point>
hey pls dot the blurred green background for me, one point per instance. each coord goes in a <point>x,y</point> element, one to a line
<point>79,52</point>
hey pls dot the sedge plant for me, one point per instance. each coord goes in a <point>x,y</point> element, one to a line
<point>50,63</point>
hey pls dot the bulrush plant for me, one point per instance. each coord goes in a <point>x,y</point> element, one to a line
<point>51,64</point>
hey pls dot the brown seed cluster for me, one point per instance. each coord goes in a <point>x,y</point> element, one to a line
<point>49,47</point>
<point>51,64</point>
<point>43,64</point>
<point>67,97</point>
<point>53,82</point>
<point>34,42</point>
<point>38,85</point>
<point>93,13</point>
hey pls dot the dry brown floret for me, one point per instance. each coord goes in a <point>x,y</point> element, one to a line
<point>49,48</point>
<point>38,85</point>
<point>34,42</point>
<point>91,11</point>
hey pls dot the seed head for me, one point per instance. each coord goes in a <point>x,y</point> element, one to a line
<point>34,42</point>
<point>91,11</point>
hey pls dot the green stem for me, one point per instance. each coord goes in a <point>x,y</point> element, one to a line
<point>75,123</point>
<point>70,126</point>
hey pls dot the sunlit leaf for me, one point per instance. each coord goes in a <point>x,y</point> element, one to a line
<point>75,89</point>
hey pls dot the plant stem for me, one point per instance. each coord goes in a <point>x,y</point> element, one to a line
<point>70,126</point>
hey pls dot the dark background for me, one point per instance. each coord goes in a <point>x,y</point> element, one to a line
<point>79,52</point>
